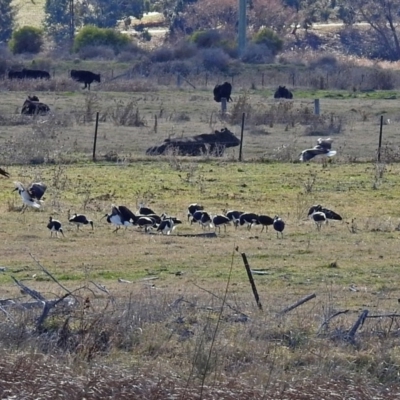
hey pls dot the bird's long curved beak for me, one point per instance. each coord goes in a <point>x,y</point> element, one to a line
<point>14,190</point>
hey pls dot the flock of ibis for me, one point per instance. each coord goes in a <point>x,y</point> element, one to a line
<point>147,219</point>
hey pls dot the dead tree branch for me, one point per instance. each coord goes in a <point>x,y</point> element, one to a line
<point>298,303</point>
<point>358,324</point>
<point>49,274</point>
<point>326,322</point>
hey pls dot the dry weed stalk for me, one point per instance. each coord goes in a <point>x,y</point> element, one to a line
<point>127,114</point>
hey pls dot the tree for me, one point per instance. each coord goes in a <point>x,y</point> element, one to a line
<point>7,17</point>
<point>383,16</point>
<point>106,13</point>
<point>57,19</point>
<point>28,39</point>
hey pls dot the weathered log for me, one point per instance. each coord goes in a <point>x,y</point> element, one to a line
<point>358,324</point>
<point>298,303</point>
<point>326,322</point>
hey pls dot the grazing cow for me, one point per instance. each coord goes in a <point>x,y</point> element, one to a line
<point>32,106</point>
<point>283,93</point>
<point>28,74</point>
<point>15,75</point>
<point>85,77</point>
<point>35,74</point>
<point>221,91</point>
<point>207,143</point>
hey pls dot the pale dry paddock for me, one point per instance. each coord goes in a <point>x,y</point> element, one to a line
<point>162,309</point>
<point>132,122</point>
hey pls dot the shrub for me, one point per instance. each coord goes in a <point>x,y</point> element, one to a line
<point>28,39</point>
<point>96,52</point>
<point>257,54</point>
<point>92,36</point>
<point>215,59</point>
<point>206,39</point>
<point>270,39</point>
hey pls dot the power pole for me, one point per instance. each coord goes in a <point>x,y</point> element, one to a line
<point>71,22</point>
<point>242,27</point>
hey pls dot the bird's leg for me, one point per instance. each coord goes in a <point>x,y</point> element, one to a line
<point>63,233</point>
<point>262,229</point>
<point>225,228</point>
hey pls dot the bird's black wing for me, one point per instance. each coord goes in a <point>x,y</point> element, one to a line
<point>4,173</point>
<point>331,214</point>
<point>127,214</point>
<point>36,190</point>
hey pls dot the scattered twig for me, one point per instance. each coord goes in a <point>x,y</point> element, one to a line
<point>326,322</point>
<point>298,303</point>
<point>219,298</point>
<point>49,274</point>
<point>102,288</point>
<point>33,293</point>
<point>384,316</point>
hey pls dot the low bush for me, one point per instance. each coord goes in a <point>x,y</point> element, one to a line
<point>27,39</point>
<point>96,52</point>
<point>257,54</point>
<point>270,39</point>
<point>215,59</point>
<point>206,39</point>
<point>92,36</point>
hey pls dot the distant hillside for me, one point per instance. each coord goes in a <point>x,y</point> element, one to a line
<point>29,13</point>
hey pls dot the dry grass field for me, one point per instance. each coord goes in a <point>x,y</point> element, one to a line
<point>178,319</point>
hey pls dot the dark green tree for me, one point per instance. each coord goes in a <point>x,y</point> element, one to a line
<point>57,19</point>
<point>7,15</point>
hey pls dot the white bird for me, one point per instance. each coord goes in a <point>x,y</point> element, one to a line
<point>249,218</point>
<point>79,219</point>
<point>219,220</point>
<point>206,220</point>
<point>279,226</point>
<point>234,216</point>
<point>54,226</point>
<point>323,148</point>
<point>120,216</point>
<point>319,218</point>
<point>166,226</point>
<point>193,208</point>
<point>27,198</point>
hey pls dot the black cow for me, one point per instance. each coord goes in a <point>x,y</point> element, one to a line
<point>283,93</point>
<point>32,106</point>
<point>206,143</point>
<point>221,91</point>
<point>35,74</point>
<point>85,77</point>
<point>28,74</point>
<point>15,75</point>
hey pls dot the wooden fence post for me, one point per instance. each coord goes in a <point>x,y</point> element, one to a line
<point>252,283</point>
<point>316,107</point>
<point>224,105</point>
<point>241,138</point>
<point>95,136</point>
<point>380,139</point>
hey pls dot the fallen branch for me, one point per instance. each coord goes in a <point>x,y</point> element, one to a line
<point>49,274</point>
<point>326,322</point>
<point>48,305</point>
<point>384,316</point>
<point>220,298</point>
<point>358,324</point>
<point>298,303</point>
<point>33,293</point>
